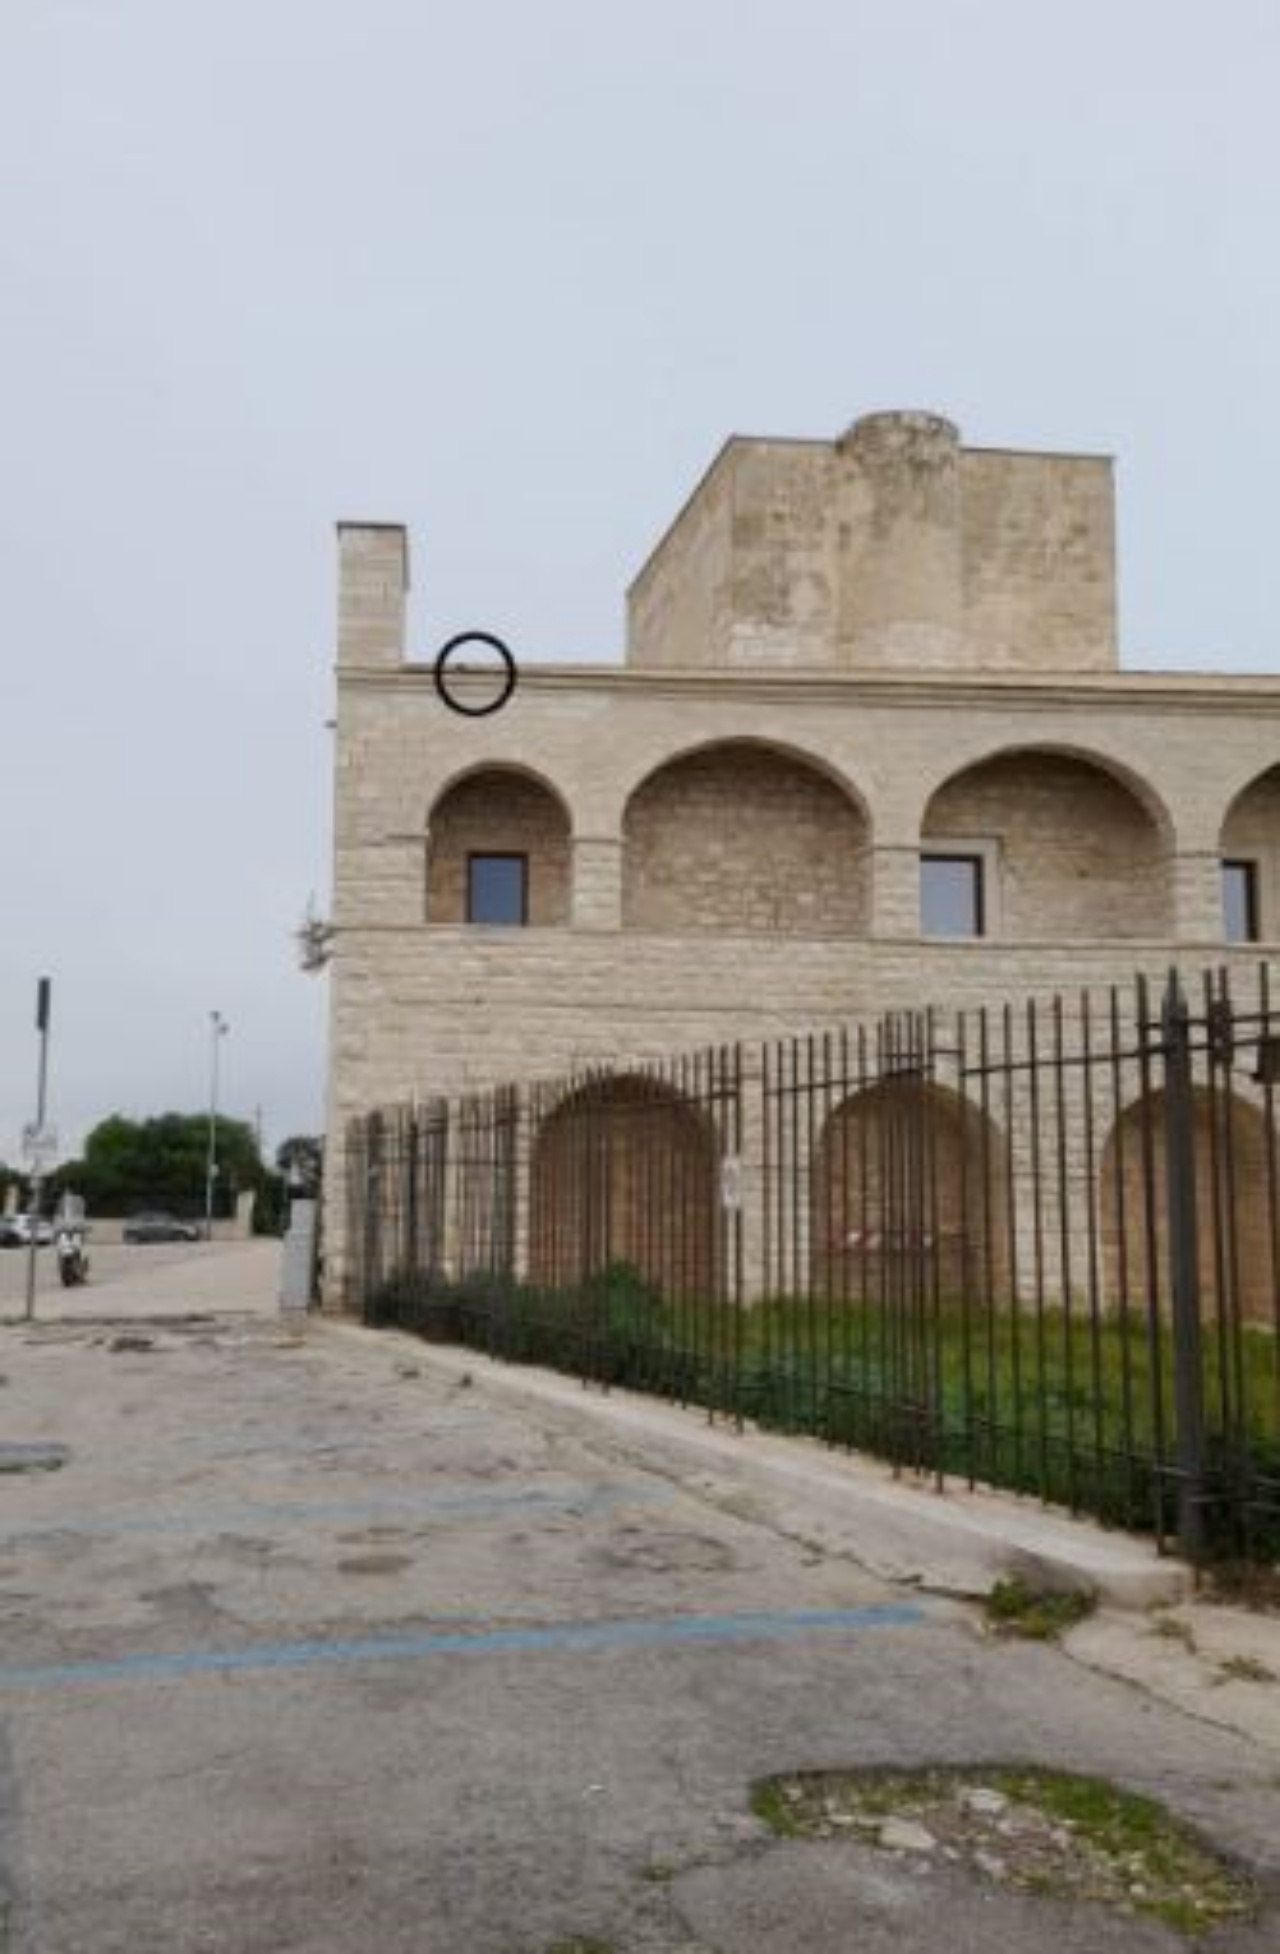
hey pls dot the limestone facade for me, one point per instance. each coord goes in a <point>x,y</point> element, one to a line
<point>843,656</point>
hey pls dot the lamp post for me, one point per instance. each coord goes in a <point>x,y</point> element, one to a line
<point>40,1137</point>
<point>218,1029</point>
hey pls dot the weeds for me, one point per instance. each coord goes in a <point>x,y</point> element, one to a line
<point>1170,1629</point>
<point>1245,1669</point>
<point>1012,1608</point>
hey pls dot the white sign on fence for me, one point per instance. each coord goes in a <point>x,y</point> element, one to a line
<point>731,1181</point>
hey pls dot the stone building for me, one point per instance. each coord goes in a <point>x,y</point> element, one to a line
<point>871,745</point>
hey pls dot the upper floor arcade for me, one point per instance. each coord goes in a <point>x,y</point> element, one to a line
<point>1036,819</point>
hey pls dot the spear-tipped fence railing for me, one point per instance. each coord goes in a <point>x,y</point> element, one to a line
<point>1035,1246</point>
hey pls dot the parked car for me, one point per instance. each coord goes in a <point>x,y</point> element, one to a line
<point>159,1227</point>
<point>15,1231</point>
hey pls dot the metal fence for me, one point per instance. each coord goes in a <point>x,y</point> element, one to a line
<point>1034,1247</point>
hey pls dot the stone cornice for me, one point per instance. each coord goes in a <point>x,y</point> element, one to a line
<point>1187,691</point>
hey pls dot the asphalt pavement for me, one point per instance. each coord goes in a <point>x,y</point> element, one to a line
<point>308,1645</point>
<point>112,1265</point>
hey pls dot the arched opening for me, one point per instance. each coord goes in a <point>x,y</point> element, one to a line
<point>1250,851</point>
<point>498,851</point>
<point>740,837</point>
<point>908,1197</point>
<point>1059,848</point>
<point>625,1171</point>
<point>1234,1209</point>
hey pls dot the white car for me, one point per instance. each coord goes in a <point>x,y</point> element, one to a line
<point>16,1231</point>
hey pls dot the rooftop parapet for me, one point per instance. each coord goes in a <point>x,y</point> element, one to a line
<point>891,548</point>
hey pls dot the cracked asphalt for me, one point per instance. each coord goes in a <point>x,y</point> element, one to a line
<point>306,1647</point>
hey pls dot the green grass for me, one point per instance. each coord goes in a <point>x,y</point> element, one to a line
<point>1130,1828</point>
<point>1076,1411</point>
<point>772,1808</point>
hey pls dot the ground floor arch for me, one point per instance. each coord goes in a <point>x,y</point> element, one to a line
<point>624,1171</point>
<point>908,1195</point>
<point>1237,1230</point>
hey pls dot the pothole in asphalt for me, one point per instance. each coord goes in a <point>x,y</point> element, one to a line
<point>654,1552</point>
<point>1044,1832</point>
<point>33,1458</point>
<point>375,1564</point>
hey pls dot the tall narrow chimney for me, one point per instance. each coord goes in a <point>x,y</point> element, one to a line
<point>373,582</point>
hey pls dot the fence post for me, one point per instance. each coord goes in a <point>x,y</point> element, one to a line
<point>1184,1269</point>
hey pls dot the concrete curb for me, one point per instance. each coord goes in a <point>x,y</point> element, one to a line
<point>957,1542</point>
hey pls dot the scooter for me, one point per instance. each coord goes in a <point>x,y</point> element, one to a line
<point>73,1263</point>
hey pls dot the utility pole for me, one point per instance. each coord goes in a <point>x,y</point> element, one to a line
<point>38,1139</point>
<point>218,1029</point>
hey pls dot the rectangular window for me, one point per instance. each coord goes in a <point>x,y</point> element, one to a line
<point>498,889</point>
<point>951,895</point>
<point>1240,901</point>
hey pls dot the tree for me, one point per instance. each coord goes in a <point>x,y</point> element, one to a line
<point>301,1160</point>
<point>162,1162</point>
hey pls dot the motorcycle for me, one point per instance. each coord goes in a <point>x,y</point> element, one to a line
<point>73,1263</point>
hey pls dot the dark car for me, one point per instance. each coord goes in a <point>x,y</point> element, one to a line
<point>159,1227</point>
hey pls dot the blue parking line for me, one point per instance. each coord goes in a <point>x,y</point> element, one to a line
<point>212,1519</point>
<point>562,1638</point>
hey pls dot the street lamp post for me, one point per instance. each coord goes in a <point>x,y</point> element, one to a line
<point>218,1029</point>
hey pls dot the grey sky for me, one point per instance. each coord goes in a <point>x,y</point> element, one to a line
<point>509,272</point>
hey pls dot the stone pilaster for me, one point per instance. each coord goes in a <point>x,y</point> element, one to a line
<point>895,889</point>
<point>597,882</point>
<point>1196,877</point>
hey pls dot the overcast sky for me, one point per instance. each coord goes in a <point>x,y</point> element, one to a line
<point>509,272</point>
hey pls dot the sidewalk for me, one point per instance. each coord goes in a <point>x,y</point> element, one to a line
<point>1216,1663</point>
<point>958,1542</point>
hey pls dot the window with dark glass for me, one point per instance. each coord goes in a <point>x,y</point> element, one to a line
<point>951,895</point>
<point>497,889</point>
<point>1240,901</point>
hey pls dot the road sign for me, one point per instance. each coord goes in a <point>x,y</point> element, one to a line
<point>39,1145</point>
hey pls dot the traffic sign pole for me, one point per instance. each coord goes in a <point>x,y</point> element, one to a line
<point>44,997</point>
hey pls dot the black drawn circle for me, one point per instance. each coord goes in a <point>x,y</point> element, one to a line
<point>440,668</point>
